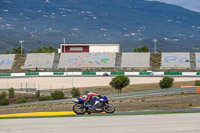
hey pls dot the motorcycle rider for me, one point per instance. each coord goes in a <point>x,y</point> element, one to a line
<point>89,99</point>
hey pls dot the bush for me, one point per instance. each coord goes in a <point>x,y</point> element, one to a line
<point>119,82</point>
<point>166,82</point>
<point>45,98</point>
<point>5,101</point>
<point>37,94</point>
<point>3,95</point>
<point>11,92</point>
<point>197,83</point>
<point>22,100</point>
<point>75,92</point>
<point>57,95</point>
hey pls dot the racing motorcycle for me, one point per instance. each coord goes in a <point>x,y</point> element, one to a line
<point>96,106</point>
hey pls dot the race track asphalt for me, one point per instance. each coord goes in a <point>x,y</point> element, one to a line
<point>161,123</point>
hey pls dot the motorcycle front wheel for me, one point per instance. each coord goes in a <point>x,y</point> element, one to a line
<point>109,108</point>
<point>79,109</point>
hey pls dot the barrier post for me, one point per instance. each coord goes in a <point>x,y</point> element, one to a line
<point>198,89</point>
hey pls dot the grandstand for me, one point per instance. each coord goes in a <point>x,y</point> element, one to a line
<point>6,61</point>
<point>135,60</point>
<point>39,60</point>
<point>197,55</point>
<point>179,60</point>
<point>87,60</point>
<point>109,61</point>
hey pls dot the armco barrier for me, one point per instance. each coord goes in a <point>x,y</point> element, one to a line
<point>117,73</point>
<point>172,73</point>
<point>88,73</point>
<point>100,74</point>
<point>5,74</point>
<point>30,74</point>
<point>58,73</point>
<point>132,73</point>
<point>145,73</point>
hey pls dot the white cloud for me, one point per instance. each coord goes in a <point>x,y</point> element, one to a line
<point>189,4</point>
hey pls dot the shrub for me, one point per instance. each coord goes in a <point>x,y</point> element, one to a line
<point>57,95</point>
<point>5,101</point>
<point>22,100</point>
<point>11,92</point>
<point>166,82</point>
<point>37,94</point>
<point>3,95</point>
<point>119,82</point>
<point>45,98</point>
<point>197,83</point>
<point>75,92</point>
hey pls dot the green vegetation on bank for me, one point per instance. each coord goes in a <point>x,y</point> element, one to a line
<point>44,49</point>
<point>142,49</point>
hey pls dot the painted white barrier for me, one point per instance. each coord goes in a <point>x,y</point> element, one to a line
<point>101,73</point>
<point>46,73</point>
<point>189,73</point>
<point>18,74</point>
<point>158,73</point>
<point>132,73</point>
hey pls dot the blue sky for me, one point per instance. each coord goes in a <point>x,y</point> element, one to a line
<point>189,4</point>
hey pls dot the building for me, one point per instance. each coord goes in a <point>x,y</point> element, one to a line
<point>89,48</point>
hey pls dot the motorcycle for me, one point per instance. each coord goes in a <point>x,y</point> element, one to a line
<point>97,105</point>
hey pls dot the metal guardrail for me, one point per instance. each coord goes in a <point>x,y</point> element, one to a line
<point>148,93</point>
<point>33,90</point>
<point>137,94</point>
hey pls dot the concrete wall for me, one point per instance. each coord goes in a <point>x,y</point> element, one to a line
<point>103,49</point>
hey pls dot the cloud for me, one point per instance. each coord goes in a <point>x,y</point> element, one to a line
<point>193,5</point>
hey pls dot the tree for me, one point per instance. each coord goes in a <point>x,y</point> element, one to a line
<point>3,99</point>
<point>142,49</point>
<point>44,49</point>
<point>75,92</point>
<point>11,92</point>
<point>16,50</point>
<point>7,51</point>
<point>166,82</point>
<point>3,95</point>
<point>57,95</point>
<point>119,82</point>
<point>37,94</point>
<point>197,83</point>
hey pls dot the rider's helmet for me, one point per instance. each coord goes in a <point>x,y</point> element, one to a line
<point>89,94</point>
<point>84,97</point>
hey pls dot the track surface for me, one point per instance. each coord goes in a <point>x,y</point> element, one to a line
<point>167,123</point>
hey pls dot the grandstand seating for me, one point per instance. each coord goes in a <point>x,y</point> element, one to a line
<point>135,60</point>
<point>39,60</point>
<point>197,55</point>
<point>175,60</point>
<point>87,60</point>
<point>6,61</point>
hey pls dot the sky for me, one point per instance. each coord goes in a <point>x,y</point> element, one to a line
<point>193,5</point>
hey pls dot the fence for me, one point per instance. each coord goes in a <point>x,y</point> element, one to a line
<point>100,74</point>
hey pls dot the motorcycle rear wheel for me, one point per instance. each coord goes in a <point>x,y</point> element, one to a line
<point>79,109</point>
<point>109,108</point>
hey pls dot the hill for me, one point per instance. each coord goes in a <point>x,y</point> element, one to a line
<point>95,21</point>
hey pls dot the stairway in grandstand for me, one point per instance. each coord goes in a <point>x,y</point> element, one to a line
<point>18,62</point>
<point>118,60</point>
<point>56,61</point>
<point>192,60</point>
<point>155,61</point>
